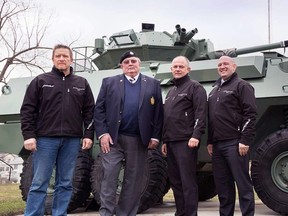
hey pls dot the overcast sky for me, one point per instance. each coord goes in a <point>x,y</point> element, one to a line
<point>227,23</point>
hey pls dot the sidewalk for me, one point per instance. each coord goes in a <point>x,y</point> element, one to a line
<point>207,208</point>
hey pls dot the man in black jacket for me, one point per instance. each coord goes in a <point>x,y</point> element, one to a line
<point>184,123</point>
<point>55,108</point>
<point>231,129</point>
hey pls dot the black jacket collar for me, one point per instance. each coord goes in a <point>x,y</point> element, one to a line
<point>60,73</point>
<point>180,81</point>
<point>232,77</point>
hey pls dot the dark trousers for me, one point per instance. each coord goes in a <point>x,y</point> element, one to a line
<point>182,162</point>
<point>229,167</point>
<point>135,153</point>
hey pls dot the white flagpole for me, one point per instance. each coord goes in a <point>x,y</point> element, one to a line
<point>269,19</point>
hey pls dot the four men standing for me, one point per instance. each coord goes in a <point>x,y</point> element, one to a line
<point>128,120</point>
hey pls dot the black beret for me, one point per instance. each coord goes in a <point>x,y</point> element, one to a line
<point>127,54</point>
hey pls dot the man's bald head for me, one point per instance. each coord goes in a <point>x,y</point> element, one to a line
<point>226,67</point>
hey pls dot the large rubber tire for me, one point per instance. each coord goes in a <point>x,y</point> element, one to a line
<point>26,178</point>
<point>155,183</point>
<point>270,171</point>
<point>81,182</point>
<point>96,179</point>
<point>206,186</point>
<point>25,183</point>
<point>153,188</point>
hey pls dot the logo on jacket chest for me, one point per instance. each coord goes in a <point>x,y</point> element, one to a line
<point>228,92</point>
<point>78,89</point>
<point>48,86</point>
<point>182,94</point>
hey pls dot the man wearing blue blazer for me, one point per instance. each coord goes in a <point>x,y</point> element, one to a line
<point>128,120</point>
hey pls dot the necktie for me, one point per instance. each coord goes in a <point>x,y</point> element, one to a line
<point>132,79</point>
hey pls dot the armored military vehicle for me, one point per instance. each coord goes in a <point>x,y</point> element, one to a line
<point>267,72</point>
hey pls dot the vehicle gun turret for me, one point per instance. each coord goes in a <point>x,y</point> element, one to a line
<point>152,46</point>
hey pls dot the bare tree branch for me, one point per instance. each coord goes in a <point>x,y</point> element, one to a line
<point>22,29</point>
<point>10,9</point>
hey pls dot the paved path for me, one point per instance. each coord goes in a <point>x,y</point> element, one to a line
<point>207,208</point>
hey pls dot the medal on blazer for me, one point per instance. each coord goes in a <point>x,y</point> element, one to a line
<point>152,100</point>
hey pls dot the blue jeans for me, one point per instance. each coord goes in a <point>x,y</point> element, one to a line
<point>62,153</point>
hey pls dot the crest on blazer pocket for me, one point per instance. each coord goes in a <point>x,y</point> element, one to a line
<point>152,100</point>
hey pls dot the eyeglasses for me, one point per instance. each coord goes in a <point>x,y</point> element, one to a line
<point>127,61</point>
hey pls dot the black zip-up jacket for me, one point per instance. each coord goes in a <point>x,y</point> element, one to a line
<point>232,111</point>
<point>58,105</point>
<point>185,110</point>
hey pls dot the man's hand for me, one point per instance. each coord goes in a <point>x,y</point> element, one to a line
<point>210,149</point>
<point>105,142</point>
<point>164,149</point>
<point>192,143</point>
<point>153,144</point>
<point>87,143</point>
<point>243,149</point>
<point>30,144</point>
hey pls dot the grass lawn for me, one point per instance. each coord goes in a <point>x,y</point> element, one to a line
<point>11,202</point>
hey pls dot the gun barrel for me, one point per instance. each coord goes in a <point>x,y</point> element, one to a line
<point>182,35</point>
<point>190,34</point>
<point>178,28</point>
<point>281,44</point>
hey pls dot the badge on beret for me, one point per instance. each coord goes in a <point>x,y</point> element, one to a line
<point>152,100</point>
<point>127,54</point>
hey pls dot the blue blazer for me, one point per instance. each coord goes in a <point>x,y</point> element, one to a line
<point>109,107</point>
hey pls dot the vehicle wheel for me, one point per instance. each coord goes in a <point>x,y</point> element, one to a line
<point>153,188</point>
<point>25,183</point>
<point>96,179</point>
<point>155,183</point>
<point>206,186</point>
<point>270,171</point>
<point>81,182</point>
<point>26,178</point>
